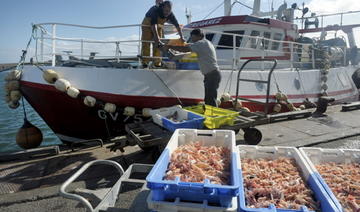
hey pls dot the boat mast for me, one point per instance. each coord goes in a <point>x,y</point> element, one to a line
<point>256,8</point>
<point>227,7</point>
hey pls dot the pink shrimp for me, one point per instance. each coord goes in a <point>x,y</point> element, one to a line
<point>197,162</point>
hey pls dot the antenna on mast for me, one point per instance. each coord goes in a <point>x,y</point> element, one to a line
<point>188,15</point>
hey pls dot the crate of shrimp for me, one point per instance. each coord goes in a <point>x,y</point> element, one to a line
<point>172,118</point>
<point>214,117</point>
<point>279,179</point>
<point>197,165</point>
<point>338,170</point>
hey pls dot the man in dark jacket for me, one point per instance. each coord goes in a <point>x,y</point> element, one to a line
<point>152,30</point>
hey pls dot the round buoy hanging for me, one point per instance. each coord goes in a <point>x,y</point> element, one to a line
<point>28,136</point>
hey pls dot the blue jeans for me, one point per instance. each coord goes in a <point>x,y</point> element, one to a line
<point>211,84</point>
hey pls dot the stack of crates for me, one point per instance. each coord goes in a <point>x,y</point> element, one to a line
<point>214,117</point>
<point>205,196</point>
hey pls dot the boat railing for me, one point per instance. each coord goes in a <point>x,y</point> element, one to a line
<point>291,54</point>
<point>324,20</point>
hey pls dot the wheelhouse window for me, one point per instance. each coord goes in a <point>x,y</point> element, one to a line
<point>209,36</point>
<point>266,42</point>
<point>227,42</point>
<point>275,44</point>
<point>253,40</point>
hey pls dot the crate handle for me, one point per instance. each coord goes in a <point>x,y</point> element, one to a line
<point>210,191</point>
<point>191,188</point>
<point>205,134</point>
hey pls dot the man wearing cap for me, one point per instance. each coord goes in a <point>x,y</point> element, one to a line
<point>207,60</point>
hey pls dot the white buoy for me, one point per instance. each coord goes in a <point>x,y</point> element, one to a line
<point>278,96</point>
<point>89,101</point>
<point>7,98</point>
<point>291,107</point>
<point>277,108</point>
<point>302,107</point>
<point>284,97</point>
<point>15,96</point>
<point>201,103</point>
<point>245,109</point>
<point>281,97</point>
<point>73,92</point>
<point>146,112</point>
<point>62,85</point>
<point>110,108</point>
<point>225,97</point>
<point>50,76</point>
<point>13,105</point>
<point>12,85</point>
<point>237,104</point>
<point>129,111</point>
<point>13,75</point>
<point>218,102</point>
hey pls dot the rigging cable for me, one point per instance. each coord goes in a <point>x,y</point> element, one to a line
<point>163,82</point>
<point>213,10</point>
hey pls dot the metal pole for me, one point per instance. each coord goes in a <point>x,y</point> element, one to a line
<point>291,55</point>
<point>344,49</point>
<point>341,19</point>
<point>53,62</point>
<point>234,52</point>
<point>82,49</point>
<point>313,57</point>
<point>263,56</point>
<point>139,45</point>
<point>117,52</point>
<point>42,47</point>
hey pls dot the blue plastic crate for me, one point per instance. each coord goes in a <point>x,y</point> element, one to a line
<point>314,156</point>
<point>190,120</point>
<point>187,65</point>
<point>178,205</point>
<point>196,192</point>
<point>326,203</point>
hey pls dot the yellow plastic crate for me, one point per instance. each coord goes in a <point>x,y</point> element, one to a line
<point>214,117</point>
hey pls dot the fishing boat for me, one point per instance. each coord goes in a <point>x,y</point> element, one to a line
<point>119,80</point>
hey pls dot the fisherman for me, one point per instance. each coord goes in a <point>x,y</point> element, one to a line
<point>207,60</point>
<point>152,30</point>
<point>158,2</point>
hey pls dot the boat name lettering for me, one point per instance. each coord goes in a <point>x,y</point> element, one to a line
<point>103,115</point>
<point>205,23</point>
<point>138,118</point>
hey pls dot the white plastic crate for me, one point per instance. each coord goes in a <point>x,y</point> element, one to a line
<point>166,111</point>
<point>316,156</point>
<point>254,152</point>
<point>179,206</point>
<point>186,118</point>
<point>196,192</point>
